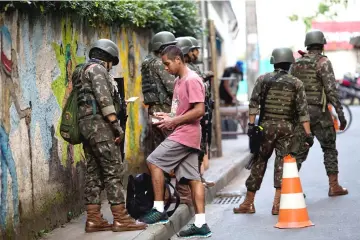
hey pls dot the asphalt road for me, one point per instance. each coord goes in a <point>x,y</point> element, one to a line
<point>336,218</point>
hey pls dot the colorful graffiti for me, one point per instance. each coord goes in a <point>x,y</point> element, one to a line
<point>37,59</point>
<point>9,88</point>
<point>130,60</point>
<point>67,60</point>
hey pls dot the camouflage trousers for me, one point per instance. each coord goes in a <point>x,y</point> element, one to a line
<point>324,132</point>
<point>154,135</point>
<point>277,136</point>
<point>104,167</point>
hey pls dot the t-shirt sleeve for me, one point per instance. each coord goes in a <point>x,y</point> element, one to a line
<point>196,90</point>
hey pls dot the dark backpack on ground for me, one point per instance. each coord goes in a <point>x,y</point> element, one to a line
<point>140,195</point>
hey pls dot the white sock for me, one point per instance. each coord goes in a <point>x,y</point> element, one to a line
<point>159,205</point>
<point>199,220</point>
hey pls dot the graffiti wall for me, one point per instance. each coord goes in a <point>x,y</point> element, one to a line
<point>41,175</point>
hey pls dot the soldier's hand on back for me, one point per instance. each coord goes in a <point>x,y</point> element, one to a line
<point>309,140</point>
<point>343,122</point>
<point>250,130</point>
<point>118,131</point>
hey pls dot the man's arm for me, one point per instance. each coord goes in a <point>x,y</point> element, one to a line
<point>328,80</point>
<point>227,88</point>
<point>196,94</point>
<point>195,113</point>
<point>302,106</point>
<point>255,100</point>
<point>98,77</point>
<point>227,74</point>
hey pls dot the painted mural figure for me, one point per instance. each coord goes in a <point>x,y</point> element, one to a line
<point>8,91</point>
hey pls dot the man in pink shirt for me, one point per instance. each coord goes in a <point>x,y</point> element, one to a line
<point>179,151</point>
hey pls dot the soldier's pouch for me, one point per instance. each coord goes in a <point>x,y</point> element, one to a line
<point>326,123</point>
<point>256,139</point>
<point>101,130</point>
<point>102,135</point>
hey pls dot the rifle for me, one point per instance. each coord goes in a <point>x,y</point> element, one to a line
<point>211,105</point>
<point>209,125</point>
<point>256,139</point>
<point>122,114</point>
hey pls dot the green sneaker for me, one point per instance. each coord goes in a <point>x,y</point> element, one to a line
<point>195,232</point>
<point>154,217</point>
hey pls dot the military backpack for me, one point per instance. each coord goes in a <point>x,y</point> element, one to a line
<point>69,127</point>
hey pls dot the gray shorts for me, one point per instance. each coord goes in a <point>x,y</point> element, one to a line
<point>171,155</point>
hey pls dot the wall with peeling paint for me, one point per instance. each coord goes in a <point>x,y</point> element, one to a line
<point>42,175</point>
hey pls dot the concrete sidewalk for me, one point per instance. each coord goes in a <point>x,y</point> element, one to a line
<point>222,171</point>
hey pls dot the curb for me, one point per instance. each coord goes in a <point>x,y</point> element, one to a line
<point>183,213</point>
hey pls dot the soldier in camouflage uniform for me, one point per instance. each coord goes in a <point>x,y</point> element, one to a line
<point>206,120</point>
<point>316,72</point>
<point>285,103</point>
<point>102,134</point>
<point>157,87</point>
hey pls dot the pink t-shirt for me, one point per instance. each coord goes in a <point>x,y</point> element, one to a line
<point>188,90</point>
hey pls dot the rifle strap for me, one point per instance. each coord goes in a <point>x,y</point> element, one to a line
<point>268,80</point>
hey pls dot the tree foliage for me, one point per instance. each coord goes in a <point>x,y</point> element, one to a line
<point>179,17</point>
<point>326,8</point>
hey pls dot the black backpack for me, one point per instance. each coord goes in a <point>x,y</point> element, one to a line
<point>140,195</point>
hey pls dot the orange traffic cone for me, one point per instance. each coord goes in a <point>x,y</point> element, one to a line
<point>293,212</point>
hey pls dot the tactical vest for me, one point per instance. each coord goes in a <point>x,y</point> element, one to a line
<point>152,89</point>
<point>208,101</point>
<point>305,70</point>
<point>279,103</point>
<point>86,93</point>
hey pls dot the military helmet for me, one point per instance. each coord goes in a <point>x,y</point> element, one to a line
<point>280,55</point>
<point>194,41</point>
<point>162,39</point>
<point>315,37</point>
<point>184,44</point>
<point>107,46</point>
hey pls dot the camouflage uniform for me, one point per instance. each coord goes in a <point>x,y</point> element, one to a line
<point>157,88</point>
<point>286,99</point>
<point>316,71</point>
<point>103,160</point>
<point>208,102</point>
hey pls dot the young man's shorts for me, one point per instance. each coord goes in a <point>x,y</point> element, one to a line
<point>171,155</point>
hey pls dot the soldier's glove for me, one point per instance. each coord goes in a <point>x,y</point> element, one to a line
<point>118,131</point>
<point>309,140</point>
<point>250,131</point>
<point>343,122</point>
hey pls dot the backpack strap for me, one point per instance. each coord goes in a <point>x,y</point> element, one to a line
<point>84,68</point>
<point>168,203</point>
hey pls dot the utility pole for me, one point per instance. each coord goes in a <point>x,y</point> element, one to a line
<point>204,37</point>
<point>252,48</point>
<point>215,89</point>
